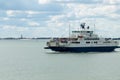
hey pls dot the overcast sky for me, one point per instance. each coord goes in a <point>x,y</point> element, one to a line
<point>45,18</point>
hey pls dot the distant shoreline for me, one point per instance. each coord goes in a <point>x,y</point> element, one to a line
<point>11,38</point>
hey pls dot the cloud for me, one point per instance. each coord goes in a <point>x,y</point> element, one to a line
<point>32,5</point>
<point>10,13</point>
<point>50,17</point>
<point>43,1</point>
<point>112,2</point>
<point>18,5</point>
<point>5,18</point>
<point>78,1</point>
<point>93,11</point>
<point>33,24</point>
<point>14,28</point>
<point>7,27</point>
<point>13,31</point>
<point>57,18</point>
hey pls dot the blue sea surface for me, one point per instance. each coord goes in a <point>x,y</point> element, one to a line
<point>28,60</point>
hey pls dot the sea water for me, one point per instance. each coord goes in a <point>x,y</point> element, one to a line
<point>28,60</point>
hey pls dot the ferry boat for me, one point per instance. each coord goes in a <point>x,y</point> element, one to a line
<point>84,40</point>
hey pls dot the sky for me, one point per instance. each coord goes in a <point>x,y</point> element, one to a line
<point>52,18</point>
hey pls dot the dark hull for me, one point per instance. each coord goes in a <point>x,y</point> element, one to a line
<point>83,49</point>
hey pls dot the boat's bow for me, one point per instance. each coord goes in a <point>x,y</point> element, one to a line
<point>118,47</point>
<point>46,48</point>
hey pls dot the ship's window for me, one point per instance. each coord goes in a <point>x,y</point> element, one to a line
<point>63,41</point>
<point>107,42</point>
<point>88,42</point>
<point>96,42</point>
<point>88,31</point>
<point>76,42</point>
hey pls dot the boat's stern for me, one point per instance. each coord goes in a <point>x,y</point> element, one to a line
<point>57,42</point>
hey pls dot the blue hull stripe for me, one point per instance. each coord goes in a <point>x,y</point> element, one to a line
<point>83,49</point>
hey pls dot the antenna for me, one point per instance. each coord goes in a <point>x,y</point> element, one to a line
<point>83,25</point>
<point>69,31</point>
<point>94,20</point>
<point>94,25</point>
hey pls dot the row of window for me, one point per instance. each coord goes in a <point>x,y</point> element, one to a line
<point>91,38</point>
<point>92,42</point>
<point>86,42</point>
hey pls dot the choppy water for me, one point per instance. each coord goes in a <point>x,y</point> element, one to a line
<point>27,60</point>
